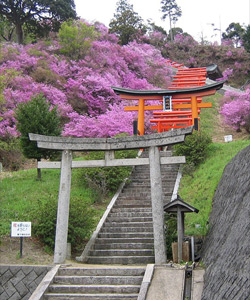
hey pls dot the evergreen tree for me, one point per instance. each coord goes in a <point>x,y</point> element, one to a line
<point>234,32</point>
<point>35,116</point>
<point>172,10</point>
<point>127,24</point>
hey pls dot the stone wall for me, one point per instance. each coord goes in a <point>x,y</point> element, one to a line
<point>19,282</point>
<point>226,252</point>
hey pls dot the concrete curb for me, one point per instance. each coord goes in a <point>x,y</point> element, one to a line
<point>146,282</point>
<point>44,284</point>
<point>89,246</point>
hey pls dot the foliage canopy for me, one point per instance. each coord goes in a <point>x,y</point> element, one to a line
<point>36,11</point>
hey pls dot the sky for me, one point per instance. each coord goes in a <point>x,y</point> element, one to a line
<point>199,18</point>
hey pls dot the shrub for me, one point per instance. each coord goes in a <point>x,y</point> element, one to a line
<point>10,154</point>
<point>76,37</point>
<point>194,147</point>
<point>236,109</point>
<point>35,116</point>
<point>81,222</point>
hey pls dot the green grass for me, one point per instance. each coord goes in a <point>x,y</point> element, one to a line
<point>198,188</point>
<point>22,194</point>
<point>209,116</point>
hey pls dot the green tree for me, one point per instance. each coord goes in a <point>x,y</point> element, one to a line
<point>20,12</point>
<point>35,116</point>
<point>234,32</point>
<point>171,10</point>
<point>76,37</point>
<point>127,24</point>
<point>246,39</point>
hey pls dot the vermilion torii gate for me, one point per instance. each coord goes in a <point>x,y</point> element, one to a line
<point>67,145</point>
<point>181,99</point>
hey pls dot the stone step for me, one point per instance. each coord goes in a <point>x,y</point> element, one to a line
<point>124,246</point>
<point>123,260</point>
<point>128,235</point>
<point>118,229</point>
<point>126,216</point>
<point>125,240</point>
<point>53,296</point>
<point>129,219</point>
<point>123,204</point>
<point>128,224</point>
<point>136,210</point>
<point>98,280</point>
<point>107,271</point>
<point>91,289</point>
<point>122,252</point>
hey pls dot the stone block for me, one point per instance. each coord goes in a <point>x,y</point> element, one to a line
<point>9,289</point>
<point>30,277</point>
<point>4,296</point>
<point>27,269</point>
<point>26,297</point>
<point>17,277</point>
<point>3,269</point>
<point>15,296</point>
<point>6,277</point>
<point>21,289</point>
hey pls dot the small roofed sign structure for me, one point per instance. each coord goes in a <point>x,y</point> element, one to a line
<point>178,99</point>
<point>68,144</point>
<point>180,207</point>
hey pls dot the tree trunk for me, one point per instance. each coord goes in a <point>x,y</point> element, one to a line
<point>19,33</point>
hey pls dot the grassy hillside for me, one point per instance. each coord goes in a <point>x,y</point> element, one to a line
<point>24,198</point>
<point>198,188</point>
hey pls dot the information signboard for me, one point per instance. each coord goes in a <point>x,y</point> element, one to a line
<point>20,229</point>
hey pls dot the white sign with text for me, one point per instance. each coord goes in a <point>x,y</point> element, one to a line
<point>20,229</point>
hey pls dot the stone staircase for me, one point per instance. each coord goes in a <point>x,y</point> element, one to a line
<point>126,238</point>
<point>127,235</point>
<point>95,283</point>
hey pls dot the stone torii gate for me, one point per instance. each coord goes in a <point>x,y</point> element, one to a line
<point>67,145</point>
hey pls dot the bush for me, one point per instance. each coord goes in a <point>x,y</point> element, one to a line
<point>81,223</point>
<point>76,38</point>
<point>10,154</point>
<point>194,147</point>
<point>106,179</point>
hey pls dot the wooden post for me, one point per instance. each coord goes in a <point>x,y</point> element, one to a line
<point>194,108</point>
<point>157,205</point>
<point>141,117</point>
<point>180,232</point>
<point>63,208</point>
